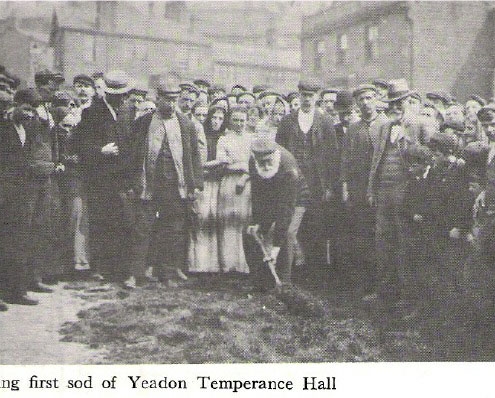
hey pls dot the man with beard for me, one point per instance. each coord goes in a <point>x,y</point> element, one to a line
<point>165,173</point>
<point>275,180</point>
<point>102,136</point>
<point>310,137</point>
<point>357,153</point>
<point>386,189</point>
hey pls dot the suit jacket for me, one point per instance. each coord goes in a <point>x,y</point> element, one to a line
<point>357,153</point>
<point>191,160</point>
<point>325,159</point>
<point>413,134</point>
<point>97,129</point>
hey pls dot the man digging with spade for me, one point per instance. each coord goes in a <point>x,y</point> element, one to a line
<point>275,183</point>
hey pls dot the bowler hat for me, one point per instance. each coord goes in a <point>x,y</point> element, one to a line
<point>487,113</point>
<point>84,79</point>
<point>362,88</point>
<point>397,89</point>
<point>263,146</point>
<point>344,102</point>
<point>117,82</point>
<point>309,86</point>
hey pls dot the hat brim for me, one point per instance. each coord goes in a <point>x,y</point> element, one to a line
<point>398,97</point>
<point>123,90</point>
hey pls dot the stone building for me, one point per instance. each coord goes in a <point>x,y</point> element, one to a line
<point>435,45</point>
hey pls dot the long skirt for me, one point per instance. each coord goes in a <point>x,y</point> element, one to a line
<point>203,242</point>
<point>234,213</point>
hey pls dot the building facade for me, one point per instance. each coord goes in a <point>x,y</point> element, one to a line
<point>434,45</point>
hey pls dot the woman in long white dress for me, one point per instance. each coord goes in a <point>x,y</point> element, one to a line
<point>203,246</point>
<point>234,198</point>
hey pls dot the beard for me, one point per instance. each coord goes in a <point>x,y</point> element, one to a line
<point>270,173</point>
<point>165,110</point>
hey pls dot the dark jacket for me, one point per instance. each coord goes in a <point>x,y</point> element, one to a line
<point>97,129</point>
<point>414,134</point>
<point>325,159</point>
<point>274,199</point>
<point>193,172</point>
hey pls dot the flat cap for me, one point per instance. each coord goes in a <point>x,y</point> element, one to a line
<point>259,88</point>
<point>245,93</point>
<point>309,85</point>
<point>202,82</point>
<point>84,79</point>
<point>362,88</point>
<point>344,102</point>
<point>263,146</point>
<point>239,86</point>
<point>291,96</point>
<point>380,83</point>
<point>190,87</point>
<point>168,90</point>
<point>268,93</point>
<point>329,91</point>
<point>441,95</point>
<point>487,113</point>
<point>28,96</point>
<point>478,99</point>
<point>45,75</point>
<point>62,99</point>
<point>117,82</point>
<point>215,89</point>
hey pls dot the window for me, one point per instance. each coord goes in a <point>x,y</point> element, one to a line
<point>371,42</point>
<point>319,52</point>
<point>342,49</point>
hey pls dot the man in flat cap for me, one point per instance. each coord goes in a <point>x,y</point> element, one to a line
<point>357,153</point>
<point>473,125</point>
<point>84,86</point>
<point>102,136</point>
<point>310,137</point>
<point>328,97</point>
<point>188,97</point>
<point>381,86</point>
<point>165,175</point>
<point>386,189</point>
<point>275,183</point>
<point>47,83</point>
<point>246,100</point>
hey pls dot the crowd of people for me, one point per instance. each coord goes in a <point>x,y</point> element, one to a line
<point>107,180</point>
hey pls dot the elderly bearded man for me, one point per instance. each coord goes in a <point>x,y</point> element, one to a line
<point>275,183</point>
<point>386,189</point>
